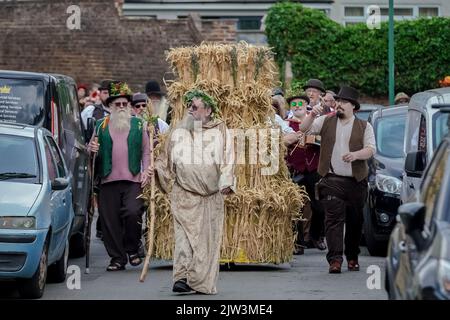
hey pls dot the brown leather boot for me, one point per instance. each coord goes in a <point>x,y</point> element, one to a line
<point>335,267</point>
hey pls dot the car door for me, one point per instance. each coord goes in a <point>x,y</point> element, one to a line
<point>410,255</point>
<point>60,200</point>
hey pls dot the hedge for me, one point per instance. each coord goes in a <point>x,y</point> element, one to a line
<point>354,55</point>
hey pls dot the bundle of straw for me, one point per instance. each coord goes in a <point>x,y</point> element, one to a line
<point>259,217</point>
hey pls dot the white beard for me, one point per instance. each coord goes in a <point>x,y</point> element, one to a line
<point>120,120</point>
<point>187,123</point>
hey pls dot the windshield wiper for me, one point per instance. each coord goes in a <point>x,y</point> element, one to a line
<point>15,175</point>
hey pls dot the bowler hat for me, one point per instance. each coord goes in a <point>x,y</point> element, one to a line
<point>349,94</point>
<point>299,96</point>
<point>118,89</point>
<point>138,97</point>
<point>152,87</point>
<point>314,83</point>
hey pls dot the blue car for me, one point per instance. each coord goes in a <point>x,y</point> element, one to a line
<point>36,213</point>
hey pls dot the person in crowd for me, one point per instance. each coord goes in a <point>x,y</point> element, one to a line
<point>123,153</point>
<point>346,144</point>
<point>197,192</point>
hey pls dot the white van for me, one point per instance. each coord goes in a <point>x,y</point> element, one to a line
<point>425,128</point>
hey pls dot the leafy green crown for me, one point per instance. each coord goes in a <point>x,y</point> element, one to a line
<point>207,99</point>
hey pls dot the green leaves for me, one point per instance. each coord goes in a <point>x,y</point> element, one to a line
<point>355,55</point>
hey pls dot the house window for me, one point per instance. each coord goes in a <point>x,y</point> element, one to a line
<point>249,23</point>
<point>428,12</point>
<point>402,12</point>
<point>354,11</point>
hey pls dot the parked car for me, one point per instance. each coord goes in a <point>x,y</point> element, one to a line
<point>36,215</point>
<point>385,174</point>
<point>418,261</point>
<point>50,101</point>
<point>425,128</point>
<point>366,109</point>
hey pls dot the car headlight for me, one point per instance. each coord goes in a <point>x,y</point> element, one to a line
<point>444,276</point>
<point>17,223</point>
<point>388,184</point>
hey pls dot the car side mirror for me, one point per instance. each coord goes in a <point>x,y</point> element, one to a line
<point>415,164</point>
<point>60,184</point>
<point>412,216</point>
<point>90,128</point>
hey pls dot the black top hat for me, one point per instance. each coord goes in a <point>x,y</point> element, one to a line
<point>300,96</point>
<point>152,87</point>
<point>349,94</point>
<point>105,84</point>
<point>118,89</point>
<point>314,83</point>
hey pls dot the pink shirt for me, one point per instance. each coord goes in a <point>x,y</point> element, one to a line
<point>120,169</point>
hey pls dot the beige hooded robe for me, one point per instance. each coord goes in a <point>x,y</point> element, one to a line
<point>200,165</point>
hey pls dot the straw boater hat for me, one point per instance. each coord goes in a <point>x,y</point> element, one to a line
<point>118,89</point>
<point>400,96</point>
<point>349,94</point>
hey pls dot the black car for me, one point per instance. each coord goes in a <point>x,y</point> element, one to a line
<point>50,101</point>
<point>385,174</point>
<point>418,261</point>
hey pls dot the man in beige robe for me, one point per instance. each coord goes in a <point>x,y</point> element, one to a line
<point>198,159</point>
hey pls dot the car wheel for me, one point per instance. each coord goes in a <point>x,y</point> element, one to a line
<point>34,288</point>
<point>57,272</point>
<point>77,247</point>
<point>375,247</point>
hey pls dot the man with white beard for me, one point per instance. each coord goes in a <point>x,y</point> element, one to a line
<point>123,148</point>
<point>196,169</point>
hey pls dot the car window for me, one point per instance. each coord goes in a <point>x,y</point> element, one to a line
<point>412,133</point>
<point>422,142</point>
<point>433,181</point>
<point>19,155</point>
<point>51,165</point>
<point>390,133</point>
<point>441,124</point>
<point>363,114</point>
<point>22,101</point>
<point>58,161</point>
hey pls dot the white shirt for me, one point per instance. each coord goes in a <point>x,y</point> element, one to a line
<point>284,126</point>
<point>341,145</point>
<point>163,126</point>
<point>86,114</point>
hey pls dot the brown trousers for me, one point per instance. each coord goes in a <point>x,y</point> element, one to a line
<point>343,201</point>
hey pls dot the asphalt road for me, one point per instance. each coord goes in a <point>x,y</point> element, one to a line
<point>305,278</point>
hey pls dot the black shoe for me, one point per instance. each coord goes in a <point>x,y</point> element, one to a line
<point>182,286</point>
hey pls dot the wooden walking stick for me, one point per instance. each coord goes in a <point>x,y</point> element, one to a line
<point>90,217</point>
<point>150,238</point>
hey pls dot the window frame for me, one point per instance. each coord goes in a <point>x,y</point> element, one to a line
<point>54,149</point>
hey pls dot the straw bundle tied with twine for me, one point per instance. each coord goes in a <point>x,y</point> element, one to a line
<point>259,217</point>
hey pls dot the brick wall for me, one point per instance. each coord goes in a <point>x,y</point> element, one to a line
<point>34,37</point>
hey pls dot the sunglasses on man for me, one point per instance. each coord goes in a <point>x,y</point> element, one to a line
<point>296,104</point>
<point>120,104</point>
<point>140,105</point>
